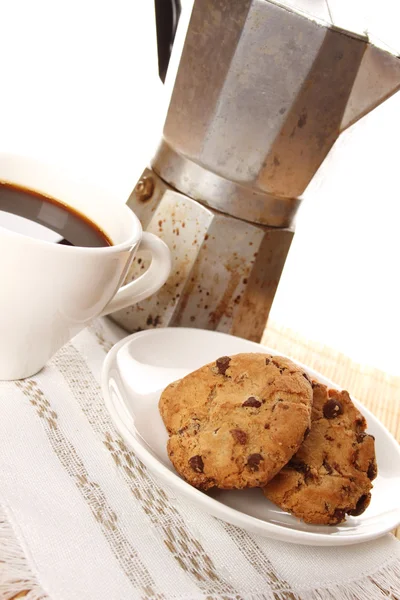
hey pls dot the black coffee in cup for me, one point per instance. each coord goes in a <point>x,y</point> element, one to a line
<point>69,226</point>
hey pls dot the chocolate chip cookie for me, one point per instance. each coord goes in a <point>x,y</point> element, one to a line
<point>235,422</point>
<point>330,476</point>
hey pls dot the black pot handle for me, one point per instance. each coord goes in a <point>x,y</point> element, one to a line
<point>167,17</point>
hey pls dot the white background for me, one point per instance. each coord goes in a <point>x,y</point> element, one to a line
<point>79,87</point>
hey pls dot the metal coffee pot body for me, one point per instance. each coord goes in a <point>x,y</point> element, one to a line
<point>260,93</point>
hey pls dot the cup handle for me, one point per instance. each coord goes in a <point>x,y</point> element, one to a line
<point>148,283</point>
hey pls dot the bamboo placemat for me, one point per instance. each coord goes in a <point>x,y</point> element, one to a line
<point>377,390</point>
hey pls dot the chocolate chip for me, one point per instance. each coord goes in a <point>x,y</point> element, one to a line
<point>328,467</point>
<point>333,408</point>
<point>307,377</point>
<point>267,426</point>
<point>299,466</point>
<point>239,435</point>
<point>222,364</point>
<point>196,462</point>
<point>360,437</point>
<point>252,401</point>
<point>329,438</point>
<point>267,361</point>
<point>253,461</point>
<point>361,423</point>
<point>339,516</point>
<point>361,505</point>
<point>372,470</point>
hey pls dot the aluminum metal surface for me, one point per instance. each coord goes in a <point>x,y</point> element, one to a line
<point>261,94</point>
<point>225,271</point>
<point>209,188</point>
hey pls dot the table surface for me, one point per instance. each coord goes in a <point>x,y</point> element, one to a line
<point>378,391</point>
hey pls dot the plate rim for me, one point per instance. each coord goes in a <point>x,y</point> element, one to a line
<point>213,506</point>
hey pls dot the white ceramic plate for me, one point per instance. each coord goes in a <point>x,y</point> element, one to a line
<point>139,367</point>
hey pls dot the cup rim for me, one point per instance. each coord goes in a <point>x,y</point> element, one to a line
<point>125,245</point>
<point>130,241</point>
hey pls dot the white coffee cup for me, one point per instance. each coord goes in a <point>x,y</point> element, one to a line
<point>48,291</point>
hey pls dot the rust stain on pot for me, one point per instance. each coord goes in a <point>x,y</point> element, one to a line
<point>222,307</point>
<point>187,292</point>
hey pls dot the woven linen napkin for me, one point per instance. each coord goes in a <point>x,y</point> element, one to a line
<point>82,519</point>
